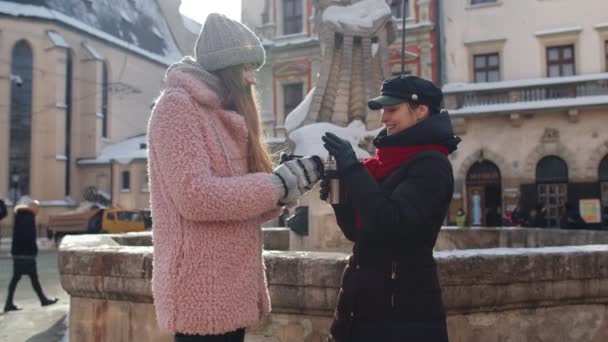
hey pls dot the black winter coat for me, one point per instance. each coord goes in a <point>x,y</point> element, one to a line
<point>390,290</point>
<point>24,234</point>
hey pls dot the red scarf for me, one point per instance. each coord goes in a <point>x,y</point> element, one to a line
<point>388,159</point>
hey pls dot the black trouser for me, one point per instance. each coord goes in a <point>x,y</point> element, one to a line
<point>24,266</point>
<point>233,336</point>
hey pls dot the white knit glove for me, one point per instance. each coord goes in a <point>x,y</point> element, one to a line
<point>295,177</point>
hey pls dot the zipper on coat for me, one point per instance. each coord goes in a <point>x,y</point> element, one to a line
<point>393,270</point>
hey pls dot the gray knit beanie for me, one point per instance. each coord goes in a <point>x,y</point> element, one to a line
<point>224,42</point>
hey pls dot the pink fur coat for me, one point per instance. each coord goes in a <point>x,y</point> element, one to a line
<point>208,274</point>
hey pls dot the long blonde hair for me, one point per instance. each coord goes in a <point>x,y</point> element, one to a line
<point>240,97</point>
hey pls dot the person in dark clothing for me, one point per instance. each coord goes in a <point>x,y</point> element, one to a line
<point>393,208</point>
<point>540,220</point>
<point>571,218</point>
<point>493,218</point>
<point>24,251</point>
<point>517,217</point>
<point>3,210</point>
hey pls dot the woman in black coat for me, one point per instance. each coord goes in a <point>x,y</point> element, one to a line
<point>393,208</point>
<point>24,250</point>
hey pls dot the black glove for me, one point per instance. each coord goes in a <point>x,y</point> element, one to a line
<point>341,150</point>
<point>324,189</point>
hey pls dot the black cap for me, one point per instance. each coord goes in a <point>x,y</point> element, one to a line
<point>411,89</point>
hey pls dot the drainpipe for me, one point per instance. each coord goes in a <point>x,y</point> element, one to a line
<point>440,43</point>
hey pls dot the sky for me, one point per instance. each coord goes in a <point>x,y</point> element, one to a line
<point>199,9</point>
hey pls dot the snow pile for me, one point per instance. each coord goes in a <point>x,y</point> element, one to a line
<point>308,138</point>
<point>297,116</point>
<point>358,16</point>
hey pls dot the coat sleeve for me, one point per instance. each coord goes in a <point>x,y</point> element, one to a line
<point>421,198</point>
<point>181,158</point>
<point>345,217</point>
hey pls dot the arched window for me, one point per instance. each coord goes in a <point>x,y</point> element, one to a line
<point>104,99</point>
<point>484,194</point>
<point>552,180</point>
<point>483,172</point>
<point>20,119</point>
<point>551,169</point>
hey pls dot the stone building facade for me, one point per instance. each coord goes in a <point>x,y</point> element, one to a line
<point>80,76</point>
<point>289,32</point>
<point>530,100</point>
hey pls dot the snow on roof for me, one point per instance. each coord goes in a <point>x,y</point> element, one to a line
<point>601,26</point>
<point>92,52</point>
<point>57,39</point>
<point>308,141</point>
<point>106,22</point>
<point>280,43</point>
<point>561,30</point>
<point>532,105</point>
<point>360,15</point>
<point>464,87</point>
<point>66,202</point>
<point>411,26</point>
<point>297,116</point>
<point>122,152</point>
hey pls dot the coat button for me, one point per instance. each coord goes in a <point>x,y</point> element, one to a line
<point>357,266</point>
<point>352,314</point>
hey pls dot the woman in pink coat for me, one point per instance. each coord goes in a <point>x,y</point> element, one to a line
<point>211,186</point>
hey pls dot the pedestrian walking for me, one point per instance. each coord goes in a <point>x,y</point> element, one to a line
<point>24,251</point>
<point>393,209</point>
<point>212,184</point>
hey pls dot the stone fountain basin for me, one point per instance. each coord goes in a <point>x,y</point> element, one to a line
<point>557,293</point>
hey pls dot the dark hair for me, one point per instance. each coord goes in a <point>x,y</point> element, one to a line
<point>3,210</point>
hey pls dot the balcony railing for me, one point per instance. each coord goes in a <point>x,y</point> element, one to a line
<point>468,98</point>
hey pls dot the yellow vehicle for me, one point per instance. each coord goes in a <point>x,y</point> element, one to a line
<point>92,220</point>
<point>122,221</point>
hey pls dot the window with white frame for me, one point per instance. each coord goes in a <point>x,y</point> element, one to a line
<point>292,16</point>
<point>486,67</point>
<point>560,61</point>
<point>125,181</point>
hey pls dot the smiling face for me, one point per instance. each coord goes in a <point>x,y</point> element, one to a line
<point>402,116</point>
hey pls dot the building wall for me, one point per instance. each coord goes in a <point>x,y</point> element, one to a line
<point>503,27</point>
<point>516,141</point>
<point>134,83</point>
<point>137,196</point>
